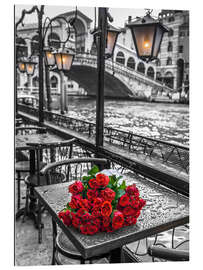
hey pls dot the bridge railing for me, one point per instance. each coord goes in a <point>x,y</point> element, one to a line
<point>165,152</point>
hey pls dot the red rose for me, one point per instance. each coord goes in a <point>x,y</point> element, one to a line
<point>76,187</point>
<point>135,203</point>
<point>93,183</point>
<point>85,218</point>
<point>67,218</point>
<point>132,190</point>
<point>84,229</point>
<point>124,200</point>
<point>76,221</point>
<point>81,212</point>
<point>118,220</point>
<point>83,203</point>
<point>142,203</point>
<point>108,194</point>
<point>102,180</point>
<point>96,221</point>
<point>129,211</point>
<point>92,194</point>
<point>97,202</point>
<point>74,203</point>
<point>92,229</point>
<point>130,221</point>
<point>106,209</point>
<point>96,211</point>
<point>106,221</point>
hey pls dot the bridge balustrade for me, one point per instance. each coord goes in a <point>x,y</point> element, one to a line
<point>167,153</point>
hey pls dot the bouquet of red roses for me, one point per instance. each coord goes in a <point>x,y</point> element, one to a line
<point>99,203</point>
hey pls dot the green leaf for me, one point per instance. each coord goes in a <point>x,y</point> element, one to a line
<point>120,193</point>
<point>94,170</point>
<point>123,185</point>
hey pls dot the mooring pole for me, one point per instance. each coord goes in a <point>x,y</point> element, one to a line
<point>102,27</point>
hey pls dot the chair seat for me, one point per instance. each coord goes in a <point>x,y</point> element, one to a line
<point>65,246</point>
<point>24,166</point>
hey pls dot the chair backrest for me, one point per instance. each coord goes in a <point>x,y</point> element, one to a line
<point>54,151</point>
<point>30,130</point>
<point>74,169</point>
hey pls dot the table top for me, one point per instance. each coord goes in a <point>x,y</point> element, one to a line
<point>164,210</point>
<point>22,140</point>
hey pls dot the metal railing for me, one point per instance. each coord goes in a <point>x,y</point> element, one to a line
<point>167,153</point>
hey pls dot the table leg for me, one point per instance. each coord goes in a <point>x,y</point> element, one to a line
<point>115,255</point>
<point>54,234</point>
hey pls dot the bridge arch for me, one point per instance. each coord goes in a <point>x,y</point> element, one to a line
<point>141,67</point>
<point>120,58</point>
<point>150,72</point>
<point>131,62</point>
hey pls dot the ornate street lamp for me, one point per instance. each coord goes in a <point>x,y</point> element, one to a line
<point>30,67</point>
<point>112,35</point>
<point>21,65</point>
<point>49,57</point>
<point>147,35</point>
<point>64,58</point>
<point>111,38</point>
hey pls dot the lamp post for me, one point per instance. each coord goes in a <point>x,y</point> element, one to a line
<point>47,53</point>
<point>147,35</point>
<point>64,59</point>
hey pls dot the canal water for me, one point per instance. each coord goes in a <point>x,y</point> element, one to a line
<point>165,121</point>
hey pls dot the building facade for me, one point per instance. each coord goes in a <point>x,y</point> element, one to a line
<point>172,65</point>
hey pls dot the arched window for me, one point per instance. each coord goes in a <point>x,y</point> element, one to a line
<point>141,67</point>
<point>169,61</point>
<point>21,47</point>
<point>54,82</point>
<point>53,40</point>
<point>150,72</point>
<point>120,58</point>
<point>35,82</point>
<point>170,46</point>
<point>169,79</point>
<point>35,45</point>
<point>170,33</point>
<point>131,63</point>
<point>158,76</point>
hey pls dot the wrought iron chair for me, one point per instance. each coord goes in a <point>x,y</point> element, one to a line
<point>169,254</point>
<point>45,153</point>
<point>74,169</point>
<point>22,164</point>
<point>158,249</point>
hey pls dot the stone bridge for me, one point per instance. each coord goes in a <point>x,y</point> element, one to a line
<point>120,81</point>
